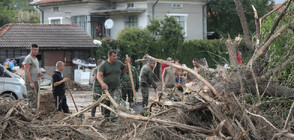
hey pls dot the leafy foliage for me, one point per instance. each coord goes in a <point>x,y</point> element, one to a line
<point>107,44</point>
<point>17,11</point>
<point>223,18</point>
<point>281,49</point>
<point>27,16</point>
<point>214,51</point>
<point>170,36</point>
<point>6,15</point>
<point>135,42</point>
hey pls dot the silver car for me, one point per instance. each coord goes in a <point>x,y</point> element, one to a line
<point>11,85</point>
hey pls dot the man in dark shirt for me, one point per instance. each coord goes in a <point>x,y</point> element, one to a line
<point>109,78</point>
<point>59,88</point>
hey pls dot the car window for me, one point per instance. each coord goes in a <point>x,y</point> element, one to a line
<point>1,71</point>
<point>7,75</point>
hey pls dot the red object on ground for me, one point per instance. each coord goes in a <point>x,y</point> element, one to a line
<point>239,59</point>
<point>163,66</point>
<point>22,66</point>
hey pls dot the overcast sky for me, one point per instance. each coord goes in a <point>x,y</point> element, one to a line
<point>279,1</point>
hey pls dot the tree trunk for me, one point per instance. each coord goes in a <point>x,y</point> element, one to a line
<point>244,25</point>
<point>233,85</point>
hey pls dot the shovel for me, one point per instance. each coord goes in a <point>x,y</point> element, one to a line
<point>138,108</point>
<point>67,86</point>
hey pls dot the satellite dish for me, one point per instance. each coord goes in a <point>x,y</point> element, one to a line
<point>108,23</point>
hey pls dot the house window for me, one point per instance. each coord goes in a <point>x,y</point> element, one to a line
<point>177,5</point>
<point>131,21</point>
<point>55,9</point>
<point>80,21</point>
<point>182,20</point>
<point>131,5</point>
<point>55,20</point>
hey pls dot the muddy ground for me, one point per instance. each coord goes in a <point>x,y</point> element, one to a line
<point>84,99</point>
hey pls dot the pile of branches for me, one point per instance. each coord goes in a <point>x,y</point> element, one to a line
<point>18,122</point>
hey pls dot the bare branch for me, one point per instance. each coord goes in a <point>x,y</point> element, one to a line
<point>98,132</point>
<point>288,118</point>
<point>256,115</point>
<point>255,82</point>
<point>191,71</point>
<point>278,68</point>
<point>87,108</point>
<point>266,45</point>
<point>257,25</point>
<point>277,22</point>
<point>274,10</point>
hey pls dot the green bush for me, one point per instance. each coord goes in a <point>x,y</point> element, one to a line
<point>137,42</point>
<point>214,51</point>
<point>107,44</point>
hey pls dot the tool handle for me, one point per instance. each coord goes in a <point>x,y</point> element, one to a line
<point>131,77</point>
<point>67,86</point>
<point>39,95</point>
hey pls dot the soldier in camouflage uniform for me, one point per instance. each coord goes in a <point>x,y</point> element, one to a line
<point>109,78</point>
<point>97,90</point>
<point>146,80</point>
<point>126,85</point>
<point>206,73</point>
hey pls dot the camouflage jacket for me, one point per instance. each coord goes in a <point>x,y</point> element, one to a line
<point>126,80</point>
<point>146,76</point>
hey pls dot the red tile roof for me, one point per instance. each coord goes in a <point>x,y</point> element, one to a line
<point>40,2</point>
<point>4,29</point>
<point>22,35</point>
<point>277,5</point>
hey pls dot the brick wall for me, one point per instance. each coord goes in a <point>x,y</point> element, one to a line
<point>51,57</point>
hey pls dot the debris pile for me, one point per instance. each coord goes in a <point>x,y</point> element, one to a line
<point>78,87</point>
<point>47,102</point>
<point>17,122</point>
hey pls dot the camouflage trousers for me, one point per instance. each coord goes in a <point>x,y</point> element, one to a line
<point>116,95</point>
<point>32,94</point>
<point>129,93</point>
<point>145,95</point>
<point>97,94</point>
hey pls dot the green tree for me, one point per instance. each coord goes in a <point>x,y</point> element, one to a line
<point>27,16</point>
<point>169,34</point>
<point>223,18</point>
<point>135,42</point>
<point>17,11</point>
<point>6,15</point>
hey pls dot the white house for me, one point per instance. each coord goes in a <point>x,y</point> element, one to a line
<point>91,15</point>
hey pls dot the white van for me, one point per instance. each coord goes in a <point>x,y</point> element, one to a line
<point>11,85</point>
